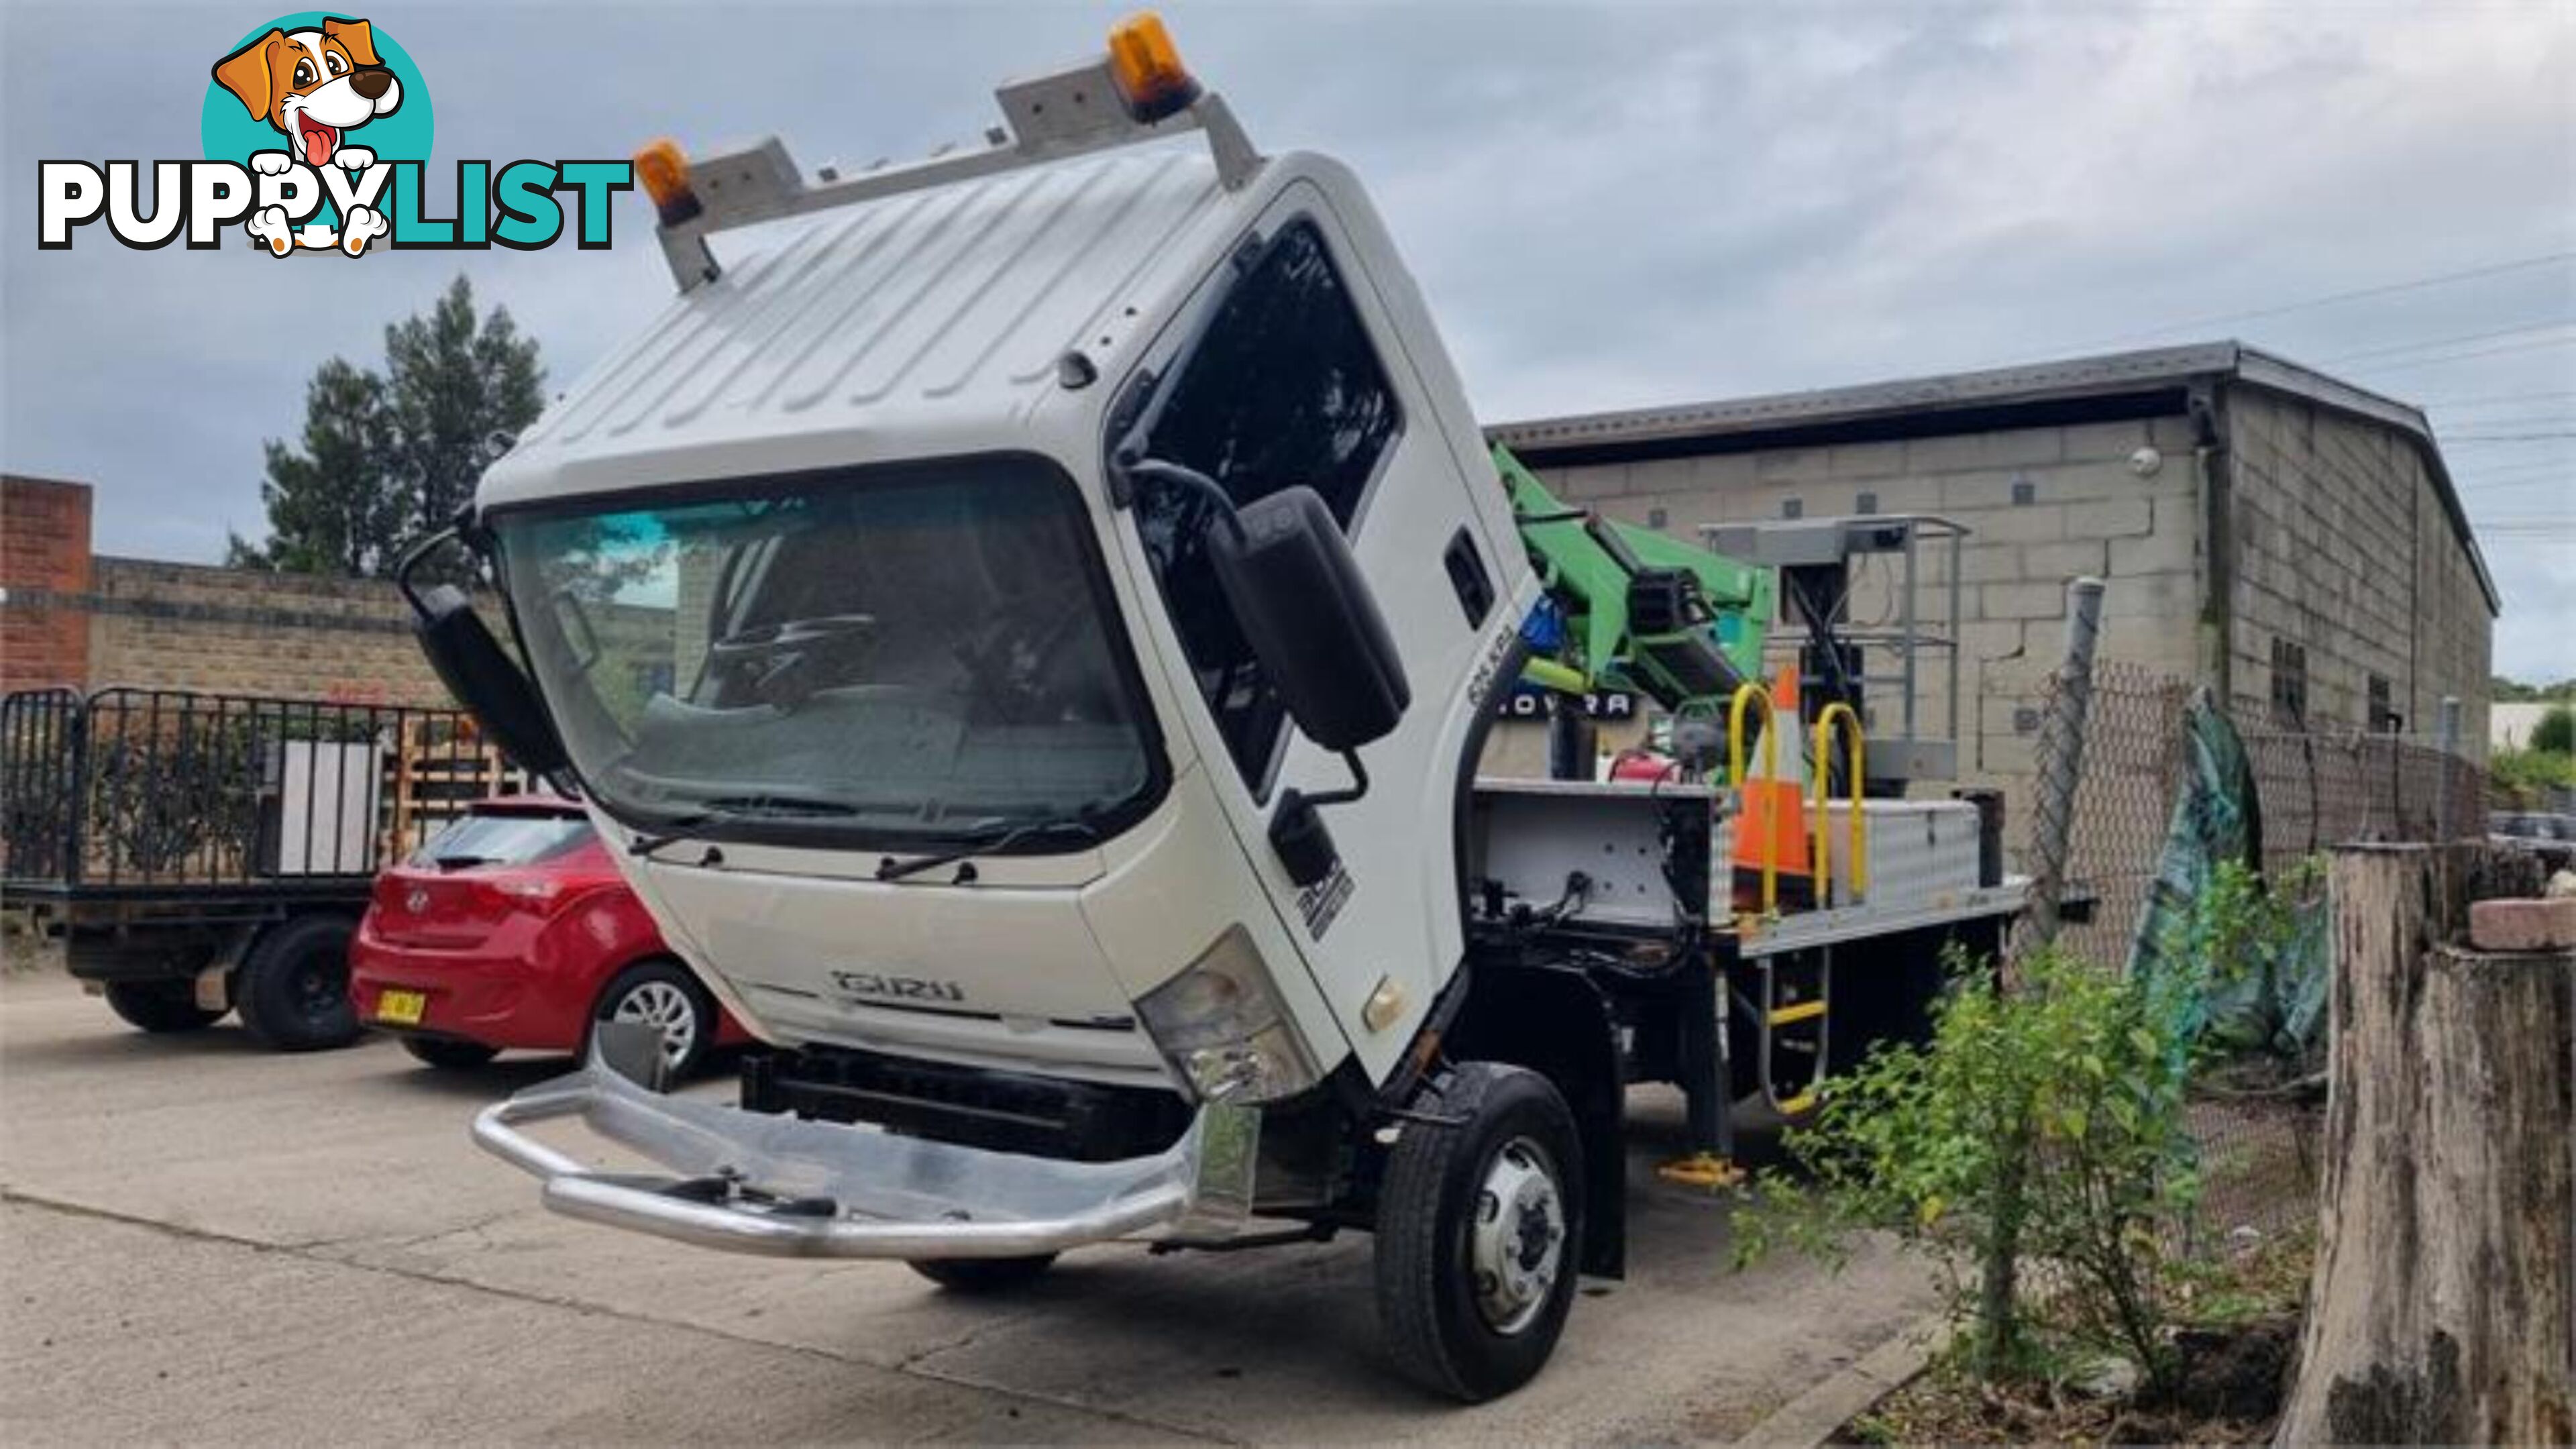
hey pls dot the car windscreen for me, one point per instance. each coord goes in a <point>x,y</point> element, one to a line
<point>915,654</point>
<point>496,838</point>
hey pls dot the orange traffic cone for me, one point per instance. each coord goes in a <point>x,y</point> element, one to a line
<point>1772,867</point>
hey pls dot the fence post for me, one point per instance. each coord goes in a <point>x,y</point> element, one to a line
<point>2448,742</point>
<point>2061,769</point>
<point>2061,757</point>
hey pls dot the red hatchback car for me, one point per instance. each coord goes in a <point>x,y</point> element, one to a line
<point>512,929</point>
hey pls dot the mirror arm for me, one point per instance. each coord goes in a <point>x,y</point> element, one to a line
<point>463,530</point>
<point>1160,474</point>
<point>411,560</point>
<point>1358,787</point>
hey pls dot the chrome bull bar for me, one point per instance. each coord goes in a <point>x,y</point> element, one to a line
<point>748,1182</point>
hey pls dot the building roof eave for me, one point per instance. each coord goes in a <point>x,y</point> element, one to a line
<point>2117,384</point>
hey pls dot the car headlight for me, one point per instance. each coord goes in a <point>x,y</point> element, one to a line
<point>1223,1028</point>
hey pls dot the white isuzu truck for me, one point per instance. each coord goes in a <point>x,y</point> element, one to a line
<point>1030,622</point>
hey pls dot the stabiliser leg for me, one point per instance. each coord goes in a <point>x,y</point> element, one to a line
<point>1704,1077</point>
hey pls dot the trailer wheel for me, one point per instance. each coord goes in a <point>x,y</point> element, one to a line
<point>159,1006</point>
<point>447,1053</point>
<point>294,990</point>
<point>1477,1224</point>
<point>983,1275</point>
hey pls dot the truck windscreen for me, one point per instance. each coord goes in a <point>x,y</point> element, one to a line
<point>879,656</point>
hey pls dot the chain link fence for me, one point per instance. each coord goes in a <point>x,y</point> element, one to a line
<point>2301,792</point>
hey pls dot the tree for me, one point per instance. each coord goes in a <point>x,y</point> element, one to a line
<point>2508,690</point>
<point>329,511</point>
<point>2556,732</point>
<point>459,392</point>
<point>2442,1309</point>
<point>386,458</point>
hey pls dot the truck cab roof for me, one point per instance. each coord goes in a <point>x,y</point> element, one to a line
<point>922,321</point>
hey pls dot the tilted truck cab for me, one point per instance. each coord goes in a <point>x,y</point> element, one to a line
<point>1030,623</point>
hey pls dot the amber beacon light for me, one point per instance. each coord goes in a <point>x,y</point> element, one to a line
<point>1152,82</point>
<point>665,174</point>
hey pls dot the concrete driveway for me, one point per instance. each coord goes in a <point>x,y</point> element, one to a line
<point>200,1241</point>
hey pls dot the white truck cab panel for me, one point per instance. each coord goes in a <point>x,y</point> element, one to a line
<point>1010,315</point>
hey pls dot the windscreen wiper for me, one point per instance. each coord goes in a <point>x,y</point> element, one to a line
<point>734,808</point>
<point>985,844</point>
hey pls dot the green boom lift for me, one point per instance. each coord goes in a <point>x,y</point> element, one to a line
<point>1641,611</point>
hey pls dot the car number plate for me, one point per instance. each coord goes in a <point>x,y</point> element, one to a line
<point>401,1008</point>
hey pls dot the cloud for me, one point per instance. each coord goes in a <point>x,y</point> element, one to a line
<point>1608,206</point>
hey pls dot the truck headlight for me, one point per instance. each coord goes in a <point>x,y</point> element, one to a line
<point>1223,1028</point>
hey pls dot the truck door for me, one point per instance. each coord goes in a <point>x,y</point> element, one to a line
<point>1291,375</point>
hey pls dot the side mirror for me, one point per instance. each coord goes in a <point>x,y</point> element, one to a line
<point>485,679</point>
<point>1309,616</point>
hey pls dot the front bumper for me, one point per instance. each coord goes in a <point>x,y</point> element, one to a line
<point>781,1186</point>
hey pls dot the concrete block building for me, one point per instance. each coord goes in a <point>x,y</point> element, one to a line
<point>2290,539</point>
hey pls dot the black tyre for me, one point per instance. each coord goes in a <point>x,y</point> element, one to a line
<point>159,1006</point>
<point>294,989</point>
<point>663,995</point>
<point>983,1275</point>
<point>448,1054</point>
<point>1479,1224</point>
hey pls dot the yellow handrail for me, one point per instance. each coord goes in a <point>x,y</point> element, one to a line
<point>1824,735</point>
<point>1746,694</point>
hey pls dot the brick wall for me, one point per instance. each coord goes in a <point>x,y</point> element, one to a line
<point>187,626</point>
<point>72,618</point>
<point>2344,549</point>
<point>44,555</point>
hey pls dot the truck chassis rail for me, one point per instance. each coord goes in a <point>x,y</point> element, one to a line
<point>780,1186</point>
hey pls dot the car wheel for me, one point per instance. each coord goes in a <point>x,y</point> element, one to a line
<point>664,996</point>
<point>294,990</point>
<point>448,1054</point>
<point>159,1006</point>
<point>983,1275</point>
<point>1477,1227</point>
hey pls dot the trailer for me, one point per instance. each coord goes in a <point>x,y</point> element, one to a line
<point>1033,628</point>
<point>195,853</point>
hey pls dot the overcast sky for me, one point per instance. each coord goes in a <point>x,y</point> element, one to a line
<point>1606,207</point>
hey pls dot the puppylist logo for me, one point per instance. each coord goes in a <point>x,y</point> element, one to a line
<point>316,130</point>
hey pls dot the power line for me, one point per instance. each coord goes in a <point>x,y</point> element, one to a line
<point>2566,481</point>
<point>2527,468</point>
<point>2465,404</point>
<point>2510,437</point>
<point>2436,344</point>
<point>2555,418</point>
<point>2526,345</point>
<point>2383,289</point>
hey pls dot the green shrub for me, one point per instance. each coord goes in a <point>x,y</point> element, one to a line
<point>2045,1122</point>
<point>2556,732</point>
<point>2526,777</point>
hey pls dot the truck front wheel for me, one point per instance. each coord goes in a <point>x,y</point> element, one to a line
<point>294,989</point>
<point>159,1006</point>
<point>1477,1224</point>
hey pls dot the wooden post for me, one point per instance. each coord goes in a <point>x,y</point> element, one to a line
<point>2443,1309</point>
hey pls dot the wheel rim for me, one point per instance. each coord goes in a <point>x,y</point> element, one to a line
<point>319,990</point>
<point>665,1008</point>
<point>1517,1248</point>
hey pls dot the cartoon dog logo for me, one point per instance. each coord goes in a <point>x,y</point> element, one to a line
<point>314,86</point>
